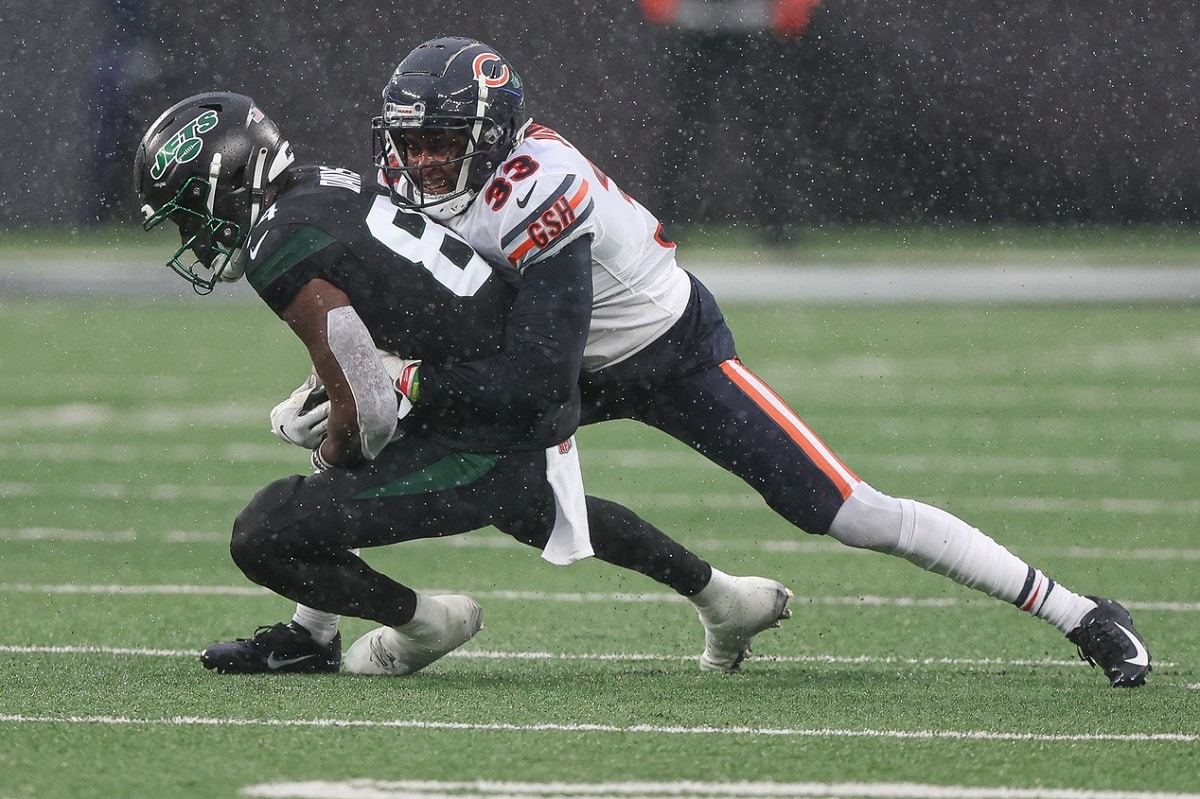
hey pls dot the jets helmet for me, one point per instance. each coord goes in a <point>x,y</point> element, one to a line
<point>205,164</point>
<point>449,85</point>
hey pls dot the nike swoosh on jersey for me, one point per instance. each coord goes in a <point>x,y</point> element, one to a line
<point>254,247</point>
<point>524,201</point>
<point>1141,657</point>
<point>274,663</point>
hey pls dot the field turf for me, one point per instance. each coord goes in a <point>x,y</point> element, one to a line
<point>133,429</point>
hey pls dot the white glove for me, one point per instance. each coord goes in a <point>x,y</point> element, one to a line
<point>403,373</point>
<point>303,418</point>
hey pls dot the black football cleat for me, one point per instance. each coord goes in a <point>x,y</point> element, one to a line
<point>277,649</point>
<point>1106,638</point>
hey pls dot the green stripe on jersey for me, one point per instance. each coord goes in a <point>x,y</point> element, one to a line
<point>305,241</point>
<point>459,469</point>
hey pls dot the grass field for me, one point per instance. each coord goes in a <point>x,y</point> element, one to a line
<point>133,430</point>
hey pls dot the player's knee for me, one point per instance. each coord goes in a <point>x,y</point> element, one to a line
<point>531,527</point>
<point>254,545</point>
<point>248,546</point>
<point>869,519</point>
<point>811,511</point>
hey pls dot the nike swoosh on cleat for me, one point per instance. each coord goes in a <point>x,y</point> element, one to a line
<point>274,663</point>
<point>1142,657</point>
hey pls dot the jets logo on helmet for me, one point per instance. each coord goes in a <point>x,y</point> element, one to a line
<point>184,146</point>
<point>209,179</point>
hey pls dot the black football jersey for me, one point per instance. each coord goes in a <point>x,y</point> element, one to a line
<point>421,290</point>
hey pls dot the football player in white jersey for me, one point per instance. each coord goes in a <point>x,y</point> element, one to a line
<point>454,141</point>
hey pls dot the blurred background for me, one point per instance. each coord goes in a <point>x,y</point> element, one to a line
<point>773,116</point>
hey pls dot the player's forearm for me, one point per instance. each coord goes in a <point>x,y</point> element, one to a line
<point>537,377</point>
<point>547,331</point>
<point>363,403</point>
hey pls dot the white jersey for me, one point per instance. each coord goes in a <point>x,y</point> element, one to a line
<point>547,194</point>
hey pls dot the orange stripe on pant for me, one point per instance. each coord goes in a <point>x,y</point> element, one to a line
<point>765,398</point>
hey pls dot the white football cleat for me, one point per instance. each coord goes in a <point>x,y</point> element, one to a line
<point>733,610</point>
<point>440,625</point>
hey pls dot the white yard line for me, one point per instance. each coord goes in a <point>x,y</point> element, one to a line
<point>178,492</point>
<point>632,729</point>
<point>967,283</point>
<point>495,789</point>
<point>367,788</point>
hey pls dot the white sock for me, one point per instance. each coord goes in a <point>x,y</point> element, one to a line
<point>942,543</point>
<point>713,591</point>
<point>321,626</point>
<point>1051,601</point>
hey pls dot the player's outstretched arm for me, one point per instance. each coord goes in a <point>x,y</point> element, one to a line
<point>543,350</point>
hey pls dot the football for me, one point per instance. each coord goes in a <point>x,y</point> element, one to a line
<point>314,398</point>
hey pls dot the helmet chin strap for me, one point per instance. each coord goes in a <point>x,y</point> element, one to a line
<point>441,210</point>
<point>450,207</point>
<point>254,182</point>
<point>257,180</point>
<point>235,263</point>
<point>519,134</point>
<point>214,171</point>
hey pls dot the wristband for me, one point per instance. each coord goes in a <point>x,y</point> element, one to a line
<point>319,463</point>
<point>409,381</point>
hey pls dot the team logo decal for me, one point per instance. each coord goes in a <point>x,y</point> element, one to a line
<point>184,146</point>
<point>479,67</point>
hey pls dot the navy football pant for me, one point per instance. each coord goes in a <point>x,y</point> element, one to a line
<point>295,535</point>
<point>690,384</point>
<point>732,418</point>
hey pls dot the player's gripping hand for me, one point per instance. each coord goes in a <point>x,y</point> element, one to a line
<point>303,418</point>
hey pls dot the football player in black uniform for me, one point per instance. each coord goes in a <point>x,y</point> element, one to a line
<point>362,282</point>
<point>454,140</point>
